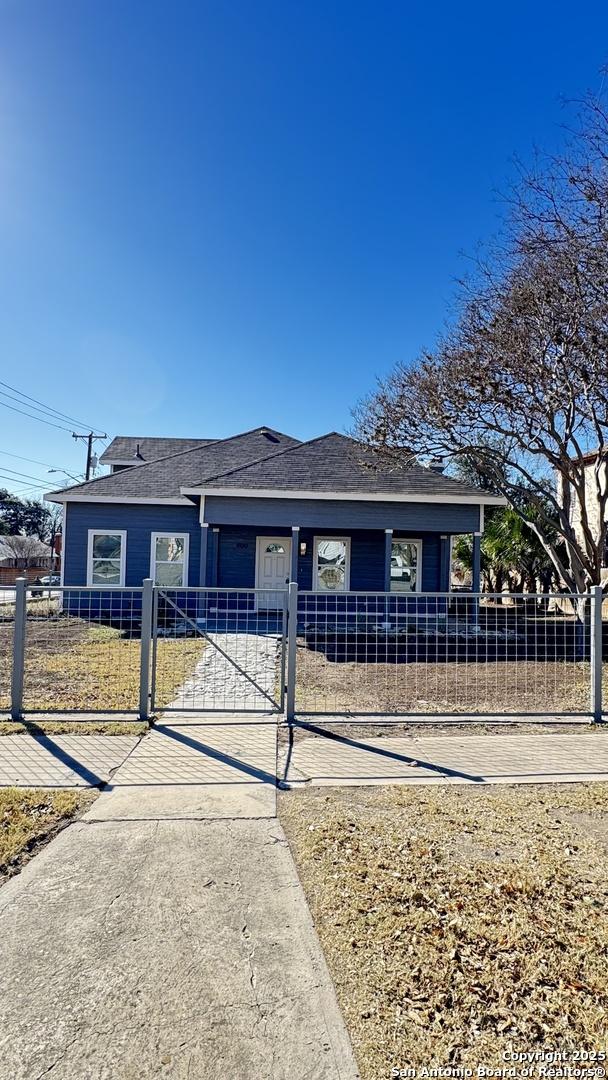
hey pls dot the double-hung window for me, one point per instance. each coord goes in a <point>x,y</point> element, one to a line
<point>331,564</point>
<point>169,561</point>
<point>106,560</point>
<point>406,565</point>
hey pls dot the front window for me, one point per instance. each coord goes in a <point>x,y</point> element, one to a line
<point>405,566</point>
<point>169,560</point>
<point>106,558</point>
<point>331,567</point>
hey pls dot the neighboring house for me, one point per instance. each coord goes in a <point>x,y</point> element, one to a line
<point>260,509</point>
<point>24,556</point>
<point>595,465</point>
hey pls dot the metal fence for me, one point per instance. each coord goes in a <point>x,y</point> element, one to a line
<point>7,623</point>
<point>449,654</point>
<point>76,650</point>
<point>150,649</point>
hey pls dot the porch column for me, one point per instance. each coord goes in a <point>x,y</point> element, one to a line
<point>444,565</point>
<point>202,576</point>
<point>216,556</point>
<point>476,581</point>
<point>388,545</point>
<point>295,551</point>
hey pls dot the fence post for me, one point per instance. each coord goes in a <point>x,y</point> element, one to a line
<point>146,639</point>
<point>595,630</point>
<point>292,627</point>
<point>19,648</point>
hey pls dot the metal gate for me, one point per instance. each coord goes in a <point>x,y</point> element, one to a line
<point>218,650</point>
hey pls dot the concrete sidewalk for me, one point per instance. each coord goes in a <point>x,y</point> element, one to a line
<point>167,934</point>
<point>62,761</point>
<point>342,759</point>
<point>134,950</point>
<point>197,767</point>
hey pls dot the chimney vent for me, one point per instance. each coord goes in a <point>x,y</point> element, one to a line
<point>437,465</point>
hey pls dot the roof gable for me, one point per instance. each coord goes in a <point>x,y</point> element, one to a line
<point>337,464</point>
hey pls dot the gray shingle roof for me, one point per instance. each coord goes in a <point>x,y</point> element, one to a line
<point>335,463</point>
<point>164,478</point>
<point>125,448</point>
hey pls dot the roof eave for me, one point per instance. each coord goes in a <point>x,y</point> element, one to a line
<point>153,500</point>
<point>483,499</point>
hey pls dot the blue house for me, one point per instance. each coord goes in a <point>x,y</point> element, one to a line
<point>262,508</point>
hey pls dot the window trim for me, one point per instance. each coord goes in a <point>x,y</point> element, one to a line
<point>417,543</point>
<point>170,536</point>
<point>123,556</point>
<point>316,540</point>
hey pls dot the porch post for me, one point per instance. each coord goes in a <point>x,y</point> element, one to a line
<point>444,563</point>
<point>476,582</point>
<point>388,544</point>
<point>216,556</point>
<point>295,551</point>
<point>202,575</point>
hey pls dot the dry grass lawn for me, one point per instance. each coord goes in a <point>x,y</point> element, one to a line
<point>28,817</point>
<point>68,727</point>
<point>453,686</point>
<point>458,923</point>
<point>73,665</point>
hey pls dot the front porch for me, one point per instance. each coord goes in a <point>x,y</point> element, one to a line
<point>329,562</point>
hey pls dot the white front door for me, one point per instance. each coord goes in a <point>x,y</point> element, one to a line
<point>273,563</point>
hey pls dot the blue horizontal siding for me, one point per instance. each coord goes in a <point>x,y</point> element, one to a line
<point>343,514</point>
<point>231,549</point>
<point>140,522</point>
<point>237,555</point>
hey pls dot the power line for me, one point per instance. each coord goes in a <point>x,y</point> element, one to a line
<point>33,461</point>
<point>28,476</point>
<point>48,408</point>
<point>34,408</point>
<point>11,480</point>
<point>24,492</point>
<point>60,427</point>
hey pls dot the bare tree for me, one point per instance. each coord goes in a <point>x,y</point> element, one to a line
<point>25,548</point>
<point>519,385</point>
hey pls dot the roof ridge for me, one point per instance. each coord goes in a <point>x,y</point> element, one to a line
<point>178,438</point>
<point>272,457</point>
<point>167,457</point>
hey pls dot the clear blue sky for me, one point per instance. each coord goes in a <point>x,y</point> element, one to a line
<point>220,214</point>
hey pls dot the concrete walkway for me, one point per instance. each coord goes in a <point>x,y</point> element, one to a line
<point>181,949</point>
<point>237,670</point>
<point>333,759</point>
<point>167,934</point>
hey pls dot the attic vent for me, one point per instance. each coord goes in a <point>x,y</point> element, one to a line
<point>137,453</point>
<point>266,434</point>
<point>437,465</point>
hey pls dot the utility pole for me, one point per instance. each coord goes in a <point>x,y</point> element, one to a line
<point>89,439</point>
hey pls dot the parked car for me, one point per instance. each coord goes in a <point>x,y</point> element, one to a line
<point>48,581</point>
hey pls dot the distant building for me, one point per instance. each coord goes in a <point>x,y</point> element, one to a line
<point>25,556</point>
<point>595,465</point>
